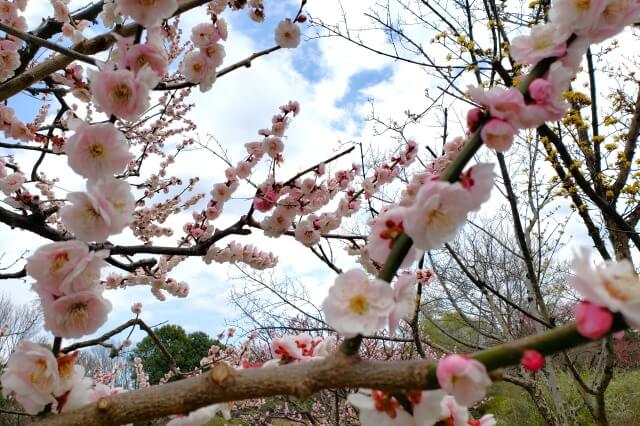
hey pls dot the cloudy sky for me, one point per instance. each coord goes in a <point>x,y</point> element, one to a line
<point>333,80</point>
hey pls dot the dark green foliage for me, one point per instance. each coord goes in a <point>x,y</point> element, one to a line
<point>187,351</point>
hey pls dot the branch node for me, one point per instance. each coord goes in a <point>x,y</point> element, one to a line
<point>103,404</point>
<point>219,373</point>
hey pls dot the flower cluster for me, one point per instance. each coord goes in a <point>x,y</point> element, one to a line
<point>303,347</point>
<point>236,252</point>
<point>428,408</point>
<point>9,58</point>
<point>10,16</point>
<point>572,27</point>
<point>67,278</point>
<point>37,378</point>
<point>199,67</point>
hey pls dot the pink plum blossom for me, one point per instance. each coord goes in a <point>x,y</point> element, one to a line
<point>139,55</point>
<point>498,134</point>
<point>97,151</point>
<point>439,210</point>
<point>612,285</point>
<point>504,103</point>
<point>616,15</point>
<point>66,266</point>
<point>357,304</point>
<point>105,209</point>
<point>307,233</point>
<point>544,41</point>
<point>265,202</point>
<point>122,92</point>
<point>592,321</point>
<point>31,374</point>
<point>287,34</point>
<point>198,69</point>
<point>75,315</point>
<point>148,13</point>
<point>205,34</point>
<point>11,183</point>
<point>385,229</point>
<point>463,377</point>
<point>478,180</point>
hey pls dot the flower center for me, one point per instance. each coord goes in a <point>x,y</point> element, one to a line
<point>77,314</point>
<point>197,67</point>
<point>121,92</point>
<point>583,5</point>
<point>96,150</point>
<point>436,214</point>
<point>59,261</point>
<point>359,304</point>
<point>146,2</point>
<point>37,375</point>
<point>625,288</point>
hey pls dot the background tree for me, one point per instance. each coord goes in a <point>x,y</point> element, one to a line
<point>187,351</point>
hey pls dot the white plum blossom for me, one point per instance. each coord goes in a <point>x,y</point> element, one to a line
<point>612,284</point>
<point>357,304</point>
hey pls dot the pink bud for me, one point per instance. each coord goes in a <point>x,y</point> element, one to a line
<point>532,360</point>
<point>593,321</point>
<point>498,134</point>
<point>540,90</point>
<point>473,118</point>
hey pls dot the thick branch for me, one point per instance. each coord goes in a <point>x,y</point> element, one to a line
<point>301,380</point>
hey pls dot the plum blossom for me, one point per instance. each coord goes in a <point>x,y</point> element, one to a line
<point>463,377</point>
<point>357,304</point>
<point>202,415</point>
<point>287,34</point>
<point>66,266</point>
<point>404,300</point>
<point>578,16</point>
<point>109,14</point>
<point>11,183</point>
<point>429,408</point>
<point>97,151</point>
<point>198,69</point>
<point>307,233</point>
<point>9,58</point>
<point>439,210</point>
<point>611,285</point>
<point>478,181</point>
<point>544,41</point>
<point>122,92</point>
<point>148,13</point>
<point>75,315</point>
<point>32,375</point>
<point>136,308</point>
<point>498,134</point>
<point>504,103</point>
<point>385,229</point>
<point>105,209</point>
<point>616,15</point>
